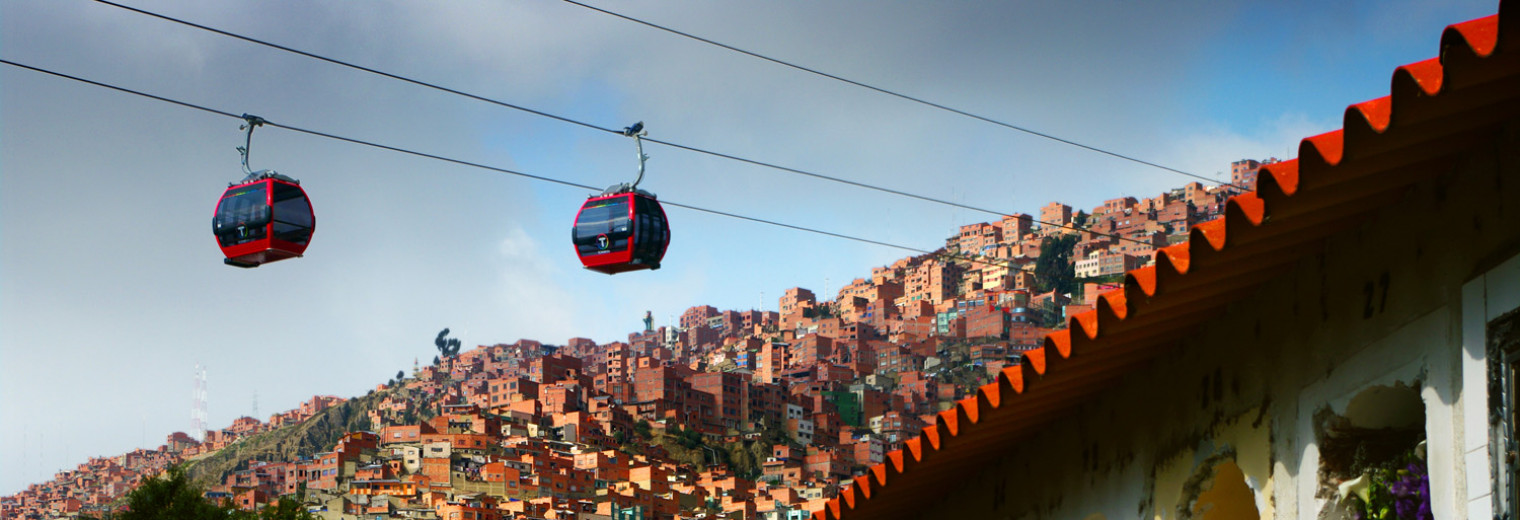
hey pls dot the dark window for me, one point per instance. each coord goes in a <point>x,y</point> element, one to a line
<point>651,233</point>
<point>642,229</point>
<point>292,214</point>
<point>241,216</point>
<point>1504,415</point>
<point>604,217</point>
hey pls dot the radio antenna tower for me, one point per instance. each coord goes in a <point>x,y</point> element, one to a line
<point>198,408</point>
<point>255,404</point>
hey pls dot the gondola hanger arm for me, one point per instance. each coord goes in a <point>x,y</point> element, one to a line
<point>637,132</point>
<point>249,123</point>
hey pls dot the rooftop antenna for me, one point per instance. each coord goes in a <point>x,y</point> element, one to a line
<point>255,405</point>
<point>198,405</point>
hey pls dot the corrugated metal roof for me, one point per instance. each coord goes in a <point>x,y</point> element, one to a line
<point>1436,108</point>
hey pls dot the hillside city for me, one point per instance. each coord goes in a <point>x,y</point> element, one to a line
<point>726,414</point>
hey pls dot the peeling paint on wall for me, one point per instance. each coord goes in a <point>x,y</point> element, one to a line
<point>1244,442</point>
<point>1227,497</point>
<point>1169,478</point>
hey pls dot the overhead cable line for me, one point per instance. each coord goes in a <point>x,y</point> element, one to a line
<point>462,162</point>
<point>513,106</point>
<point>898,95</point>
<point>357,67</point>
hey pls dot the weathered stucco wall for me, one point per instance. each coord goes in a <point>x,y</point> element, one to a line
<point>1382,305</point>
<point>1485,299</point>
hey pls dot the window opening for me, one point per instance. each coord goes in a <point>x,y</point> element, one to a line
<point>1503,390</point>
<point>1372,456</point>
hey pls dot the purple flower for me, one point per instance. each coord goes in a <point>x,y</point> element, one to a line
<point>1403,492</point>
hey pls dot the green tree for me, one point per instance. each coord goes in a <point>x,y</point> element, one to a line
<point>1047,315</point>
<point>171,495</point>
<point>1053,271</point>
<point>286,508</point>
<point>689,438</point>
<point>642,429</point>
<point>447,347</point>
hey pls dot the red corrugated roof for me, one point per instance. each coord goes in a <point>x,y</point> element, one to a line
<point>1436,108</point>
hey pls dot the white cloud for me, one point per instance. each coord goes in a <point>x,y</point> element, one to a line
<point>530,290</point>
<point>1212,151</point>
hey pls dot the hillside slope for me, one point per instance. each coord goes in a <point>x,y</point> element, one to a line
<point>316,434</point>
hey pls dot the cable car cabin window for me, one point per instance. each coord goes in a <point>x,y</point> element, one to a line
<point>662,228</point>
<point>640,228</point>
<point>654,229</point>
<point>292,214</point>
<point>647,233</point>
<point>605,217</point>
<point>241,216</point>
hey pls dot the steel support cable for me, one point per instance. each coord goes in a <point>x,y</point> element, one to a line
<point>898,95</point>
<point>354,66</point>
<point>461,162</point>
<point>504,104</point>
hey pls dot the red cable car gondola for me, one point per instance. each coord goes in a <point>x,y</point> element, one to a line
<point>262,221</point>
<point>624,228</point>
<point>619,232</point>
<point>266,217</point>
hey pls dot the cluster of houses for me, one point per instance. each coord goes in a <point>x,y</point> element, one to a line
<point>88,488</point>
<point>471,464</point>
<point>528,430</point>
<point>94,487</point>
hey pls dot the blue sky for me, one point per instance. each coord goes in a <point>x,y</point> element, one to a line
<point>113,288</point>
